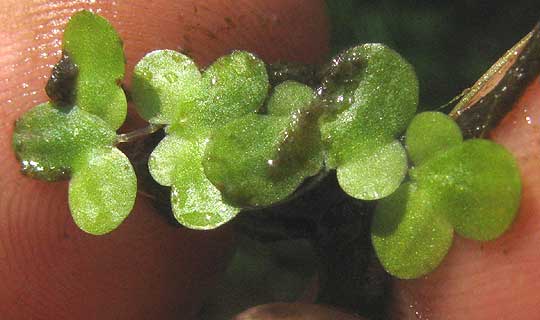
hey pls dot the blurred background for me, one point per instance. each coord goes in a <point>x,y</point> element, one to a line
<point>450,44</point>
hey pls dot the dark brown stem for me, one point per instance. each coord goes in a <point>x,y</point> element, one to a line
<point>481,111</point>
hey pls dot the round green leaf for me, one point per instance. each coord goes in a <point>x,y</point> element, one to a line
<point>383,103</point>
<point>102,190</point>
<point>374,175</point>
<point>166,86</point>
<point>236,84</point>
<point>165,158</point>
<point>196,203</point>
<point>95,47</point>
<point>429,133</point>
<point>47,139</point>
<point>476,184</point>
<point>409,234</point>
<point>242,156</point>
<point>289,97</point>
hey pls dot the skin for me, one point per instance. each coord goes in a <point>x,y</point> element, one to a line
<point>146,269</point>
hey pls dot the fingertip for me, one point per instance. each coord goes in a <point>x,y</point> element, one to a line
<point>143,269</point>
<point>275,30</point>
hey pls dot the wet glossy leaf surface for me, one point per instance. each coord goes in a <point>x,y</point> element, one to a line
<point>241,155</point>
<point>382,105</point>
<point>233,86</point>
<point>374,175</point>
<point>236,84</point>
<point>472,187</point>
<point>289,97</point>
<point>74,134</point>
<point>47,139</point>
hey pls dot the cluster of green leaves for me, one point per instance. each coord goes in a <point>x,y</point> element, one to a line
<point>472,187</point>
<point>374,111</point>
<point>229,147</point>
<point>168,88</point>
<point>234,142</point>
<point>73,135</point>
<point>221,149</point>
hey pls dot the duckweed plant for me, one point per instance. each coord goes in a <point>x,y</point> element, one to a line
<point>233,141</point>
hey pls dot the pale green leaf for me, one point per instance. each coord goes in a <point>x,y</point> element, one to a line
<point>166,87</point>
<point>476,184</point>
<point>236,84</point>
<point>429,133</point>
<point>289,97</point>
<point>102,190</point>
<point>409,233</point>
<point>374,175</point>
<point>196,203</point>
<point>166,157</point>
<point>96,49</point>
<point>383,103</point>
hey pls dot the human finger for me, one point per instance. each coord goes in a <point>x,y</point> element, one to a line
<point>144,269</point>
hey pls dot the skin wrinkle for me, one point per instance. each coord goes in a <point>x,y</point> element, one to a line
<point>145,268</point>
<point>497,279</point>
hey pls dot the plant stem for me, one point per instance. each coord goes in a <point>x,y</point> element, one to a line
<point>492,97</point>
<point>137,134</point>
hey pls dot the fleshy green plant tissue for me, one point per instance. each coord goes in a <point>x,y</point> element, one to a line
<point>74,136</point>
<point>233,141</point>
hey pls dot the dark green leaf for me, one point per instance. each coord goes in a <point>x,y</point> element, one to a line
<point>47,139</point>
<point>241,156</point>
